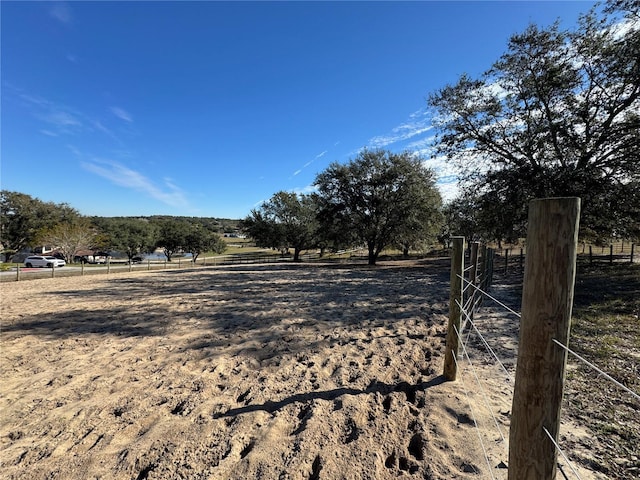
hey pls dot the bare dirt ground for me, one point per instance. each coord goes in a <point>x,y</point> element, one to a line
<point>265,372</point>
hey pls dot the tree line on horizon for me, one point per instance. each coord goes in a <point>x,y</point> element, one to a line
<point>27,223</point>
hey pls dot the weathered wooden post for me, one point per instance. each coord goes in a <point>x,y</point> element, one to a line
<point>455,311</point>
<point>547,299</point>
<point>108,264</point>
<point>631,256</point>
<point>611,254</point>
<point>590,255</point>
<point>473,271</point>
<point>130,264</point>
<point>483,266</point>
<point>470,297</point>
<point>506,261</point>
<point>18,270</point>
<point>491,252</point>
<point>521,259</point>
<point>82,269</point>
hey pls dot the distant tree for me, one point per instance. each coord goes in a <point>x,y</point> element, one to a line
<point>69,237</point>
<point>378,197</point>
<point>131,236</point>
<point>23,218</point>
<point>172,236</point>
<point>557,115</point>
<point>287,220</point>
<point>199,239</point>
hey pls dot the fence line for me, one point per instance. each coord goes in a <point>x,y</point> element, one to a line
<point>597,369</point>
<point>475,422</point>
<point>515,262</point>
<point>148,265</point>
<point>520,468</point>
<point>555,444</point>
<point>483,391</point>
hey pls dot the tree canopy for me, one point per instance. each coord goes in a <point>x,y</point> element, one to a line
<point>557,115</point>
<point>379,198</point>
<point>286,220</point>
<point>23,219</point>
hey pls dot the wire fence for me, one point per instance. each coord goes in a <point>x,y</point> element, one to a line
<point>471,297</point>
<point>471,331</point>
<point>512,259</point>
<point>19,273</point>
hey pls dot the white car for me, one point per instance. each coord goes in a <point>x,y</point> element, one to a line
<point>43,261</point>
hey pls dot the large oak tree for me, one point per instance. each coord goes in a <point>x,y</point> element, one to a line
<point>557,115</point>
<point>380,198</point>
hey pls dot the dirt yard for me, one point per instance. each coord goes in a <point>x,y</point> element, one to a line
<point>251,372</point>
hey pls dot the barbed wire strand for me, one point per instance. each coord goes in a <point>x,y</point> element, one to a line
<point>483,391</point>
<point>605,375</point>
<point>491,297</point>
<point>468,319</point>
<point>561,453</point>
<point>475,423</point>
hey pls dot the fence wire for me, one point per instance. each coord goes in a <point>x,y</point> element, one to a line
<point>468,308</point>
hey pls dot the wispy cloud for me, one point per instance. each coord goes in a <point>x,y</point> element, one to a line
<point>320,155</point>
<point>122,114</point>
<point>399,134</point>
<point>61,119</point>
<point>121,175</point>
<point>418,123</point>
<point>61,12</point>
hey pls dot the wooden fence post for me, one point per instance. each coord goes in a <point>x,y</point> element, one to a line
<point>547,299</point>
<point>506,261</point>
<point>611,254</point>
<point>18,270</point>
<point>473,271</point>
<point>455,312</point>
<point>471,295</point>
<point>521,259</point>
<point>483,266</point>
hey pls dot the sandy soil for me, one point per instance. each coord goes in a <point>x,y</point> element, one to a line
<point>266,372</point>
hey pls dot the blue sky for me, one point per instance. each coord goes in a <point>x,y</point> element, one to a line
<point>209,108</point>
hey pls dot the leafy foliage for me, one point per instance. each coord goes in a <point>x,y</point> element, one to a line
<point>379,198</point>
<point>129,235</point>
<point>557,115</point>
<point>287,220</point>
<point>24,218</point>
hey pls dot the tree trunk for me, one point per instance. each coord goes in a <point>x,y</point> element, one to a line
<point>296,254</point>
<point>373,255</point>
